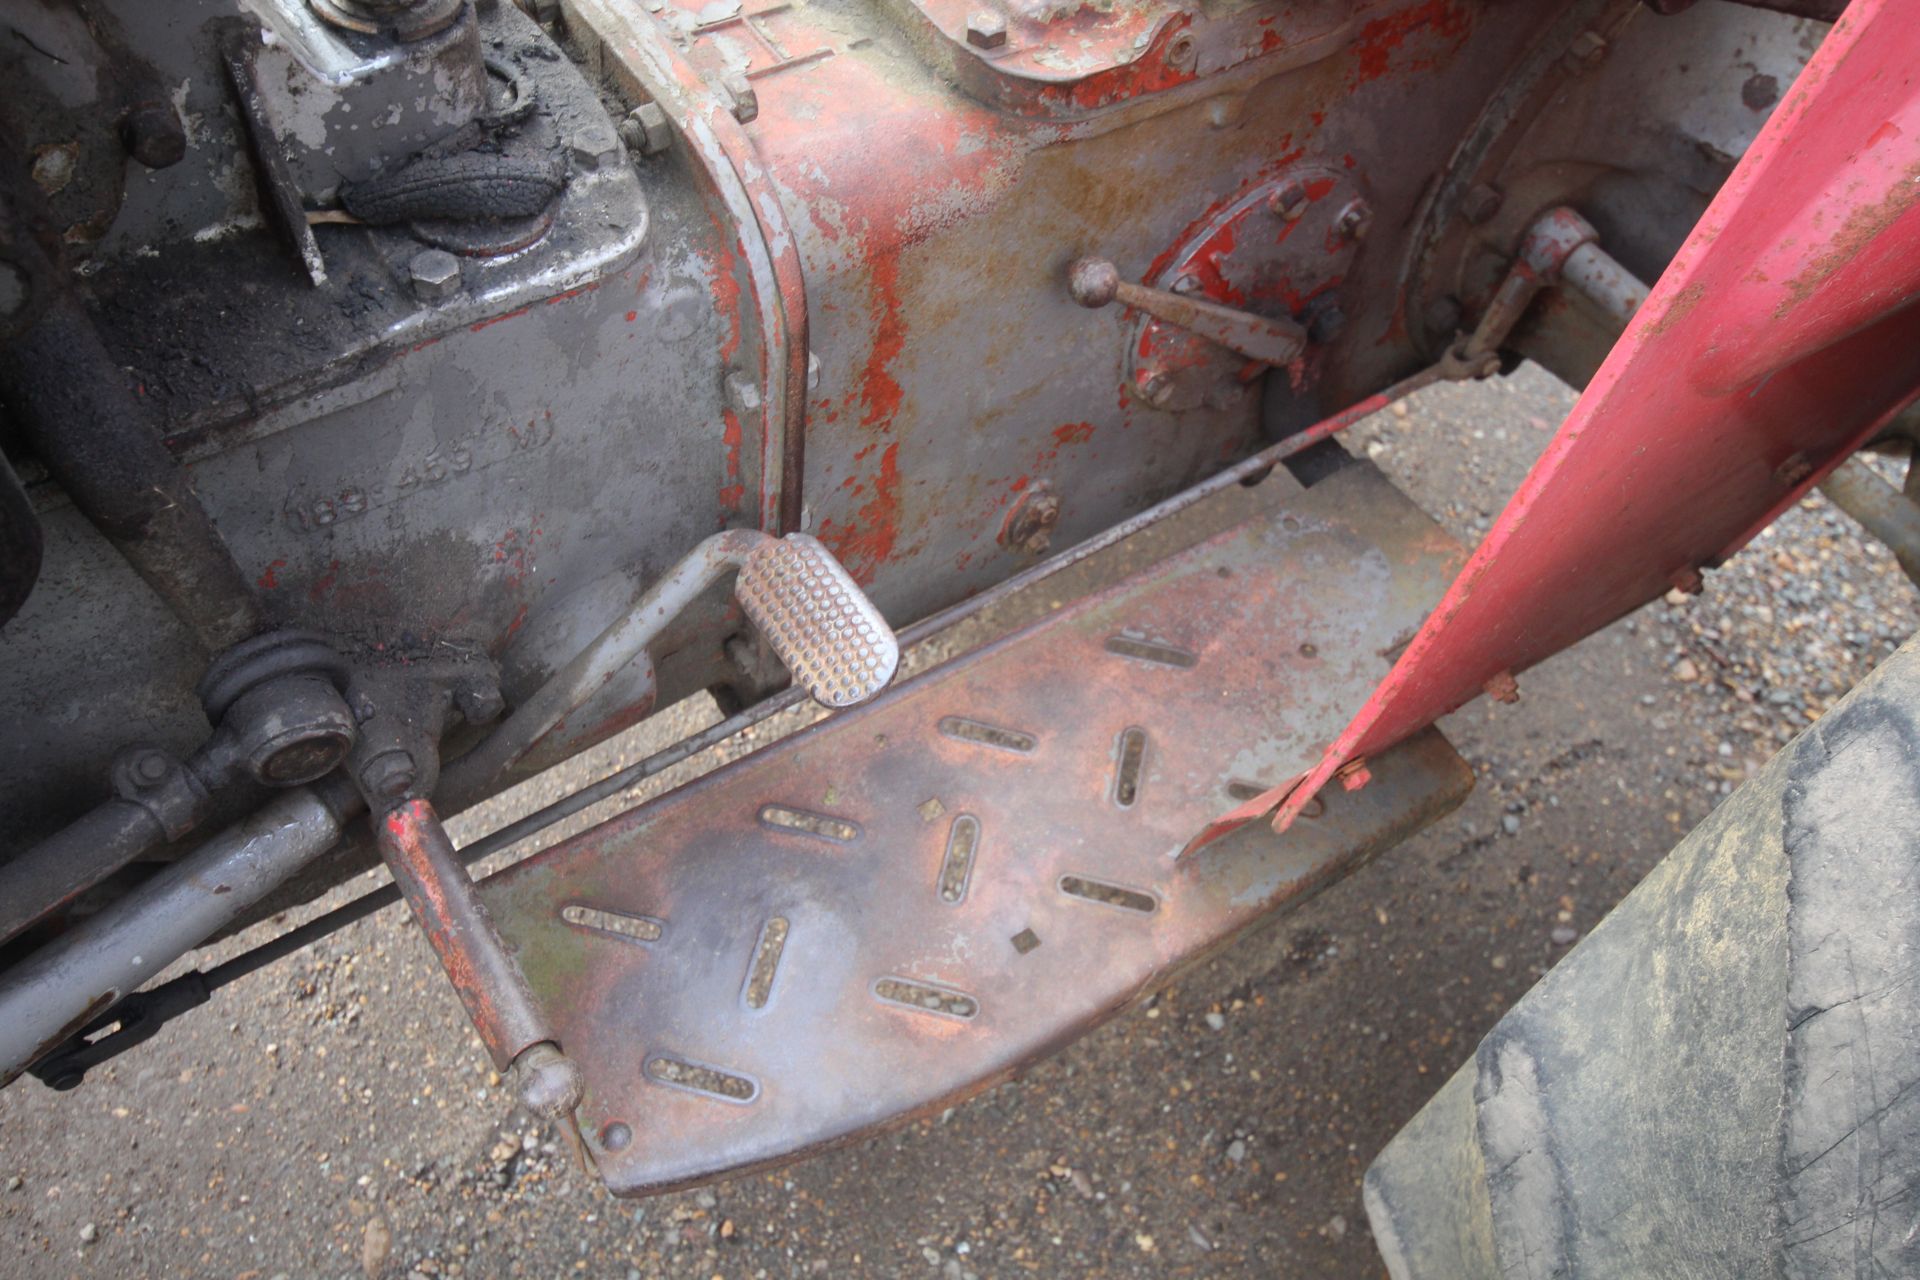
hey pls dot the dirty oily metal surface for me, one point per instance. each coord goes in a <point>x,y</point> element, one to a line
<point>907,902</point>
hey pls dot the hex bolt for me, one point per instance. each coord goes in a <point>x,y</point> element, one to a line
<point>743,394</point>
<point>1587,50</point>
<point>1029,526</point>
<point>1481,202</point>
<point>389,775</point>
<point>646,130</point>
<point>745,104</point>
<point>479,703</point>
<point>986,30</point>
<point>1157,390</point>
<point>435,274</point>
<point>1289,200</point>
<point>149,768</point>
<point>1354,220</point>
<point>593,145</point>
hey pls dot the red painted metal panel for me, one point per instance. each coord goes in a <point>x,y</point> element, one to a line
<point>1780,338</point>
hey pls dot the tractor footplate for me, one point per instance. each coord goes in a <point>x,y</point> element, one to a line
<point>905,903</point>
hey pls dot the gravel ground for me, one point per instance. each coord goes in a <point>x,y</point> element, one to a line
<point>333,1115</point>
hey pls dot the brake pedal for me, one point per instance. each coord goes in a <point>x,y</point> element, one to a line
<point>817,620</point>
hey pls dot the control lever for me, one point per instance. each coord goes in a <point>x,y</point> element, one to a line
<point>812,613</point>
<point>1095,282</point>
<point>421,856</point>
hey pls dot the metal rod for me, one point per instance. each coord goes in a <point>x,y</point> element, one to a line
<point>75,407</point>
<point>1882,510</point>
<point>465,781</point>
<point>1604,282</point>
<point>498,1002</point>
<point>60,988</point>
<point>74,859</point>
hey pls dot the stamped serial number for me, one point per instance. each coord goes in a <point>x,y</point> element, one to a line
<point>417,475</point>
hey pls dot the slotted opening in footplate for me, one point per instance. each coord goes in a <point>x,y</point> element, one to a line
<point>870,919</point>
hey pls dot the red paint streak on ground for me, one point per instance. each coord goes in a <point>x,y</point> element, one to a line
<point>270,580</point>
<point>867,543</point>
<point>878,390</point>
<point>632,316</point>
<point>1074,433</point>
<point>1373,51</point>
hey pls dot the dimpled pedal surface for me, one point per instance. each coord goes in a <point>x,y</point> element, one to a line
<point>819,622</point>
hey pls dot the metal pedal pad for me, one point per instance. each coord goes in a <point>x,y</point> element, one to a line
<point>817,620</point>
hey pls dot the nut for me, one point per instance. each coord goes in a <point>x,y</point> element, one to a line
<point>435,274</point>
<point>388,776</point>
<point>479,702</point>
<point>592,145</point>
<point>645,129</point>
<point>1354,220</point>
<point>1157,390</point>
<point>1289,201</point>
<point>986,30</point>
<point>1029,526</point>
<point>1480,203</point>
<point>1587,50</point>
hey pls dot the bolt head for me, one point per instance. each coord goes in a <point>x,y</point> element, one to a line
<point>1355,220</point>
<point>149,768</point>
<point>1187,284</point>
<point>479,703</point>
<point>388,776</point>
<point>435,274</point>
<point>593,145</point>
<point>1480,203</point>
<point>1289,200</point>
<point>1587,49</point>
<point>986,30</point>
<point>739,91</point>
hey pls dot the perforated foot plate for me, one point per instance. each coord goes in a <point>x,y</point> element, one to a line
<point>901,905</point>
<point>818,622</point>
